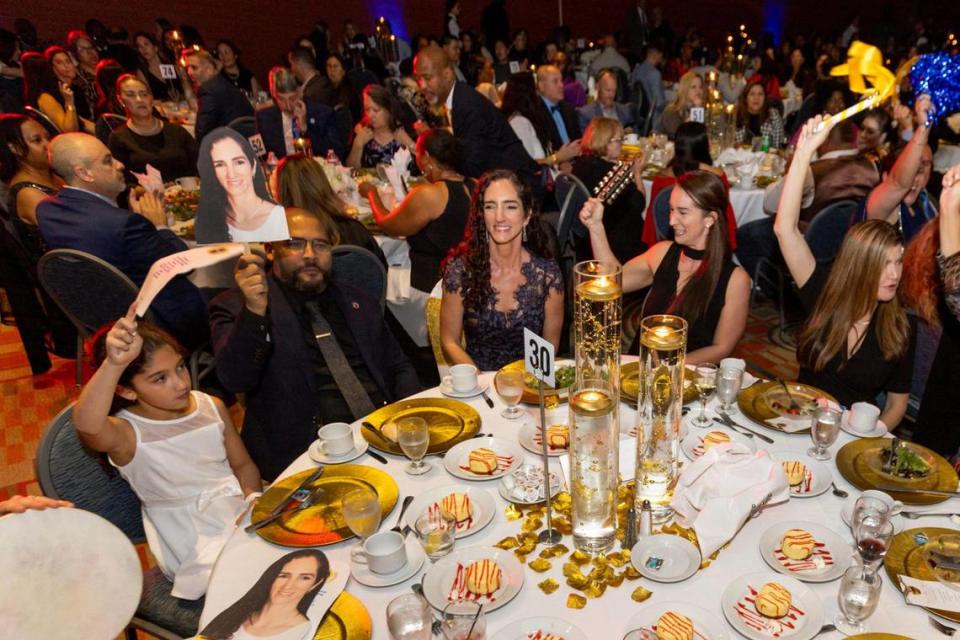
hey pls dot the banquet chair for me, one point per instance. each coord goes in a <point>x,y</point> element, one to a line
<point>43,119</point>
<point>89,291</point>
<point>826,231</point>
<point>244,125</point>
<point>661,214</point>
<point>68,470</point>
<point>359,268</point>
<point>433,329</point>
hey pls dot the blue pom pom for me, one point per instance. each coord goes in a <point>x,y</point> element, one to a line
<point>938,75</point>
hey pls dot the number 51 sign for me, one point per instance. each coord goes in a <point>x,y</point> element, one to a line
<point>538,357</point>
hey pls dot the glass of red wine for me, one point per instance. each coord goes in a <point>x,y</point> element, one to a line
<point>873,536</point>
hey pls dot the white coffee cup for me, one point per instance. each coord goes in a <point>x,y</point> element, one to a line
<point>188,183</point>
<point>336,438</point>
<point>631,138</point>
<point>863,417</point>
<point>384,552</point>
<point>895,506</point>
<point>462,378</point>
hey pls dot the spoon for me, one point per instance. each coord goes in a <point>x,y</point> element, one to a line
<point>840,493</point>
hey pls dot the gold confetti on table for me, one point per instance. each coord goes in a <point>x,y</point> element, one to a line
<point>540,565</point>
<point>507,543</point>
<point>554,551</point>
<point>631,573</point>
<point>595,589</point>
<point>548,586</point>
<point>580,557</point>
<point>513,512</point>
<point>640,594</point>
<point>575,601</point>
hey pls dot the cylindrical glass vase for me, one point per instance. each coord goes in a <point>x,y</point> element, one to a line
<point>594,405</point>
<point>663,345</point>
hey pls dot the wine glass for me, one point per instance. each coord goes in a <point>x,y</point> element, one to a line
<point>729,380</point>
<point>858,597</point>
<point>823,431</point>
<point>414,438</point>
<point>509,386</point>
<point>705,382</point>
<point>361,511</point>
<point>868,506</point>
<point>409,617</point>
<point>463,621</point>
<point>873,535</point>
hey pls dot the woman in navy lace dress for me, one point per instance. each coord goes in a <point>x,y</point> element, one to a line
<point>501,279</point>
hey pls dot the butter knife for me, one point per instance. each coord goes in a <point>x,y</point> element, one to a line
<point>755,510</point>
<point>487,399</point>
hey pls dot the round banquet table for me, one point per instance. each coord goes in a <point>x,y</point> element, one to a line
<point>606,617</point>
<point>747,203</point>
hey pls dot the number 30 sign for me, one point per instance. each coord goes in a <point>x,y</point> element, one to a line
<point>538,357</point>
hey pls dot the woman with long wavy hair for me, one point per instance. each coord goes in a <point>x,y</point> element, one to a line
<point>275,608</point>
<point>857,340</point>
<point>692,276</point>
<point>500,279</point>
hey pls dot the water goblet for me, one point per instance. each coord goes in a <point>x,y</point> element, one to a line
<point>729,380</point>
<point>414,438</point>
<point>509,386</point>
<point>823,431</point>
<point>409,617</point>
<point>858,597</point>
<point>705,383</point>
<point>361,511</point>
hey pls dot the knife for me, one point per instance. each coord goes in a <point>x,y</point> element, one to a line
<point>487,399</point>
<point>303,504</point>
<point>283,504</point>
<point>936,492</point>
<point>727,420</point>
<point>376,456</point>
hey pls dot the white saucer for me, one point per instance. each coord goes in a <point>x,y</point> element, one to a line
<point>528,474</point>
<point>360,447</point>
<point>482,385</point>
<point>415,557</point>
<point>829,560</point>
<point>457,460</point>
<point>805,616</point>
<point>528,436</point>
<point>443,582</point>
<point>680,558</point>
<point>879,430</point>
<point>482,503</point>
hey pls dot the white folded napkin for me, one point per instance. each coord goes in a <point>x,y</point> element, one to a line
<point>715,493</point>
<point>732,155</point>
<point>398,284</point>
<point>151,180</point>
<point>398,171</point>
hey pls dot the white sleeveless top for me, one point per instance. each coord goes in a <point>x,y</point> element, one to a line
<point>191,497</point>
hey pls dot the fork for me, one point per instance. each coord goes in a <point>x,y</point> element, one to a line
<point>942,628</point>
<point>307,502</point>
<point>793,403</point>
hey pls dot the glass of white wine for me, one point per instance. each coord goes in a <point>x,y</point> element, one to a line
<point>361,511</point>
<point>509,386</point>
<point>706,383</point>
<point>414,438</point>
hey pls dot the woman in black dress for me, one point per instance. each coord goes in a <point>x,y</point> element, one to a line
<point>691,276</point>
<point>241,77</point>
<point>433,216</point>
<point>151,58</point>
<point>857,340</point>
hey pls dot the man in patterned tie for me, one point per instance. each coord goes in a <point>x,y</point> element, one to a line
<point>306,350</point>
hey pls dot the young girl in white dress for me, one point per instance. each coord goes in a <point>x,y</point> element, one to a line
<point>177,448</point>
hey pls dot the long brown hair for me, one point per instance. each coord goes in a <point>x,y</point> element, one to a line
<point>708,193</point>
<point>921,283</point>
<point>301,183</point>
<point>850,293</point>
<point>742,112</point>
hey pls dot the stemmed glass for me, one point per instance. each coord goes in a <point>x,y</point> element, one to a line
<point>823,431</point>
<point>872,535</point>
<point>705,382</point>
<point>858,597</point>
<point>409,617</point>
<point>414,438</point>
<point>729,380</point>
<point>361,511</point>
<point>509,386</point>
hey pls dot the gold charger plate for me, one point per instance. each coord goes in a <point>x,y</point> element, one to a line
<point>449,422</point>
<point>322,523</point>
<point>531,394</point>
<point>630,383</point>
<point>763,401</point>
<point>905,558</point>
<point>347,619</point>
<point>859,462</point>
<point>878,636</point>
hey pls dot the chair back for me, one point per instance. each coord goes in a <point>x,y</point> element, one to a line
<point>358,268</point>
<point>433,329</point>
<point>244,125</point>
<point>571,195</point>
<point>68,470</point>
<point>828,228</point>
<point>344,121</point>
<point>43,119</point>
<point>90,291</point>
<point>661,214</point>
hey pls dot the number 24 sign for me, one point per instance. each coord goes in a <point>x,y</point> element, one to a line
<point>538,357</point>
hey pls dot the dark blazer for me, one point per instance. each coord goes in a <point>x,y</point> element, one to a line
<point>321,129</point>
<point>219,103</point>
<point>488,140</point>
<point>570,121</point>
<point>75,219</point>
<point>266,358</point>
<point>314,89</point>
<point>593,110</point>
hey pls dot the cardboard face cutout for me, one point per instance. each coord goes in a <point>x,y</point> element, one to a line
<point>235,205</point>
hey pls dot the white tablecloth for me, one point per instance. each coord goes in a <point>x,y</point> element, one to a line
<point>409,305</point>
<point>605,618</point>
<point>747,203</point>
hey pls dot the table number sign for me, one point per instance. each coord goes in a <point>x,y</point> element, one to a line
<point>538,360</point>
<point>168,72</point>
